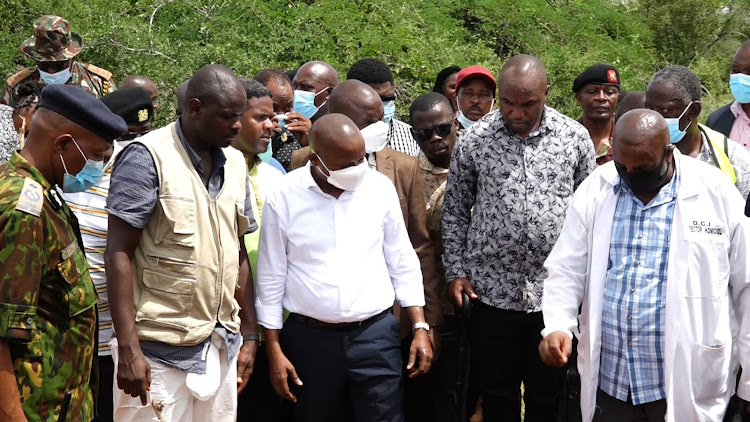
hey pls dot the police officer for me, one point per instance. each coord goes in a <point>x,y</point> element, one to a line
<point>54,47</point>
<point>47,299</point>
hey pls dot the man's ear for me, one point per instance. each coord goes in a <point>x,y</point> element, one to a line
<point>695,110</point>
<point>195,108</point>
<point>61,143</point>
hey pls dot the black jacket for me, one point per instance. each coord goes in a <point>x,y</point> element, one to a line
<point>721,120</point>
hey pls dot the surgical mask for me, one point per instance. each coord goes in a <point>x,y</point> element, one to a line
<point>57,78</point>
<point>267,154</point>
<point>675,134</point>
<point>347,178</point>
<point>465,121</point>
<point>389,110</point>
<point>88,176</point>
<point>281,118</point>
<point>643,182</point>
<point>304,102</point>
<point>375,136</point>
<point>739,84</point>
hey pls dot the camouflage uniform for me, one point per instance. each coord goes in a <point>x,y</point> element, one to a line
<point>47,298</point>
<point>89,77</point>
<point>53,41</point>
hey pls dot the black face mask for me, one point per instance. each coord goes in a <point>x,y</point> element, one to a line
<point>643,182</point>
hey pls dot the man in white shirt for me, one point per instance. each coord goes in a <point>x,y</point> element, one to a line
<point>339,282</point>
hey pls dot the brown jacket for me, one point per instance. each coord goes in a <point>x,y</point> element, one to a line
<point>404,172</point>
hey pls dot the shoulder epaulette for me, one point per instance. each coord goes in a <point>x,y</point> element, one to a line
<point>31,198</point>
<point>20,76</point>
<point>98,71</point>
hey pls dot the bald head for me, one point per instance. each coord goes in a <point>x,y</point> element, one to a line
<point>334,132</point>
<point>213,83</point>
<point>741,60</point>
<point>320,71</point>
<point>140,81</point>
<point>642,153</point>
<point>643,128</point>
<point>523,68</point>
<point>522,93</point>
<point>358,101</point>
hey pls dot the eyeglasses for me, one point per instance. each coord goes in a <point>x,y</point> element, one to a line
<point>421,135</point>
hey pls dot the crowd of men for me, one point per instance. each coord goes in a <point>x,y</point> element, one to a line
<point>287,249</point>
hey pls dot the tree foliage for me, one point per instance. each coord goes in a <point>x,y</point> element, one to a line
<point>169,39</point>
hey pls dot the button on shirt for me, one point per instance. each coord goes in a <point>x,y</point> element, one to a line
<point>335,260</point>
<point>632,354</point>
<point>519,190</point>
<point>740,131</point>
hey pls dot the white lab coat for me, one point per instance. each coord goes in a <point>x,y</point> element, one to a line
<point>708,279</point>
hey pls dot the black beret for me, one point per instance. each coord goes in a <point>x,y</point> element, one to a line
<point>132,104</point>
<point>600,74</point>
<point>83,109</point>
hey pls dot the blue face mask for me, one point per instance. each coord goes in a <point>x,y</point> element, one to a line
<point>739,84</point>
<point>389,110</point>
<point>675,134</point>
<point>88,176</point>
<point>304,102</point>
<point>57,78</point>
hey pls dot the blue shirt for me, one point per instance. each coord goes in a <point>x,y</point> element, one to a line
<point>632,355</point>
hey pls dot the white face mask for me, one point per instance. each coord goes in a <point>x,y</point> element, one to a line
<point>375,136</point>
<point>347,178</point>
<point>57,78</point>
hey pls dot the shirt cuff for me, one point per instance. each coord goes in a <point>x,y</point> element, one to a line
<point>269,316</point>
<point>408,296</point>
<point>548,331</point>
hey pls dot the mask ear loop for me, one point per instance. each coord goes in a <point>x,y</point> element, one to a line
<point>63,163</point>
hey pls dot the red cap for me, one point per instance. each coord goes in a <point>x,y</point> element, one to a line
<point>475,71</point>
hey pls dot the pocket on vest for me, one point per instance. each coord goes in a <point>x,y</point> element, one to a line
<point>166,299</point>
<point>176,225</point>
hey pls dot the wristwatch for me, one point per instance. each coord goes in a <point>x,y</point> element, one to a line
<point>423,325</point>
<point>251,337</point>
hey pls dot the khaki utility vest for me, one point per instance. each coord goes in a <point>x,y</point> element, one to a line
<point>185,268</point>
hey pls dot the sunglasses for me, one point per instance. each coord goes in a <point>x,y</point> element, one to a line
<point>129,136</point>
<point>442,131</point>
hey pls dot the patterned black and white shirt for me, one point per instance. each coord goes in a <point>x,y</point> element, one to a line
<point>506,202</point>
<point>8,134</point>
<point>400,138</point>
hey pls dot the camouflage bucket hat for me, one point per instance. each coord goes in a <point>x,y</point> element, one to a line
<point>52,40</point>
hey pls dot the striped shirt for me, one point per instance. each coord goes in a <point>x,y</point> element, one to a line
<point>401,139</point>
<point>88,208</point>
<point>632,355</point>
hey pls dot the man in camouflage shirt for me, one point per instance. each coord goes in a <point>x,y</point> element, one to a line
<point>47,299</point>
<point>54,47</point>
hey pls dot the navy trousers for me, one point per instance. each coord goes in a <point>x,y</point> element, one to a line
<point>348,375</point>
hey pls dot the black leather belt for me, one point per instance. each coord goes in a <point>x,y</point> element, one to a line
<point>340,326</point>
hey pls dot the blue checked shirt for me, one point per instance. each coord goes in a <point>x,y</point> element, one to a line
<point>632,357</point>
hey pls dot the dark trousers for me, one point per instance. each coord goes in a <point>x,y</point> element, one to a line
<point>348,375</point>
<point>610,409</point>
<point>106,382</point>
<point>505,352</point>
<point>258,401</point>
